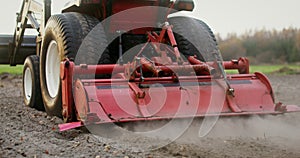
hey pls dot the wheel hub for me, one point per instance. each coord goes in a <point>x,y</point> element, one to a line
<point>52,69</point>
<point>27,84</point>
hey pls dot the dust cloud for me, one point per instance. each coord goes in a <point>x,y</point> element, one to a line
<point>282,130</point>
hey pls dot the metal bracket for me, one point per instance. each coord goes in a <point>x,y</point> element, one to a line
<point>29,7</point>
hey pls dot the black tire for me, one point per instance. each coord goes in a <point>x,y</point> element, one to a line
<point>194,37</point>
<point>31,83</point>
<point>68,31</point>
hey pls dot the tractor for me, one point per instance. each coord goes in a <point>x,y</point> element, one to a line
<point>118,61</point>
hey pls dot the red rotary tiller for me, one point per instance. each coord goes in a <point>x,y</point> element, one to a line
<point>172,88</point>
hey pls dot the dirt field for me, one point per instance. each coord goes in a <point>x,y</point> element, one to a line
<point>26,132</point>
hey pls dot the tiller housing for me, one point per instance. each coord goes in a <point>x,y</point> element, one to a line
<point>164,87</point>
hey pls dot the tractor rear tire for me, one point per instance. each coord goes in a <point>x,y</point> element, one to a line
<point>194,38</point>
<point>64,34</point>
<point>31,83</point>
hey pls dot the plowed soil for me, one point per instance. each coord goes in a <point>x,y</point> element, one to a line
<point>26,132</point>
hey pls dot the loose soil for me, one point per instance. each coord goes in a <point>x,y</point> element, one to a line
<point>26,132</point>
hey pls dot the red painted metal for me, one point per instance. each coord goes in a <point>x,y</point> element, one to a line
<point>66,76</point>
<point>123,101</point>
<point>120,100</point>
<point>68,126</point>
<point>202,69</point>
<point>242,64</point>
<point>144,18</point>
<point>264,79</point>
<point>158,42</point>
<point>99,69</point>
<point>98,100</point>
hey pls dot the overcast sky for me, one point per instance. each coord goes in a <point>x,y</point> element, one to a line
<point>223,16</point>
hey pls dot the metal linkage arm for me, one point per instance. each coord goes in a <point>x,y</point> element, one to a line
<point>29,8</point>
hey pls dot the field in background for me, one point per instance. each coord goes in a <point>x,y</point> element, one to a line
<point>272,69</point>
<point>266,69</point>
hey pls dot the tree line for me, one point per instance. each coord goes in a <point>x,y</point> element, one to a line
<point>263,46</point>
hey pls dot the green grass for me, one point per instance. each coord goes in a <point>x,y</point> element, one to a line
<point>275,69</point>
<point>17,70</point>
<point>272,69</point>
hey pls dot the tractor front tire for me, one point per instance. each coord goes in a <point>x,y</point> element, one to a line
<point>31,83</point>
